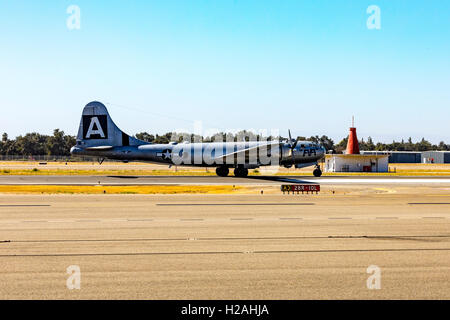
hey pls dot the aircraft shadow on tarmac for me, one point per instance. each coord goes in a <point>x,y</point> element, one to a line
<point>279,179</point>
<point>267,178</point>
<point>124,177</point>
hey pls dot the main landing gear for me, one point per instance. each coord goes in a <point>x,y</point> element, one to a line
<point>238,172</point>
<point>317,172</point>
<point>222,171</point>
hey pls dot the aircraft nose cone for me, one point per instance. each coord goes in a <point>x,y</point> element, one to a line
<point>322,150</point>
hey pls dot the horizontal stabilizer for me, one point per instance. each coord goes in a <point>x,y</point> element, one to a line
<point>99,148</point>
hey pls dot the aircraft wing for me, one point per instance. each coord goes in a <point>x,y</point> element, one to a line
<point>247,151</point>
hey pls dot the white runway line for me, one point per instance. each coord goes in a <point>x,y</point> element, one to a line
<point>379,181</point>
<point>208,220</point>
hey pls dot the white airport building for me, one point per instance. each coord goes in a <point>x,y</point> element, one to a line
<point>357,163</point>
<point>353,161</point>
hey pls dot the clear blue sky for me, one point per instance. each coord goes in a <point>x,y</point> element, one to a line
<point>236,64</point>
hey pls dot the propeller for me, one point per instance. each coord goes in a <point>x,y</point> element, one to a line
<point>292,142</point>
<point>292,145</point>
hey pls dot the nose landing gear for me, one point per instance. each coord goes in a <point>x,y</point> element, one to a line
<point>317,172</point>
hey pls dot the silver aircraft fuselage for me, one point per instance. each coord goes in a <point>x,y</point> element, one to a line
<point>213,154</point>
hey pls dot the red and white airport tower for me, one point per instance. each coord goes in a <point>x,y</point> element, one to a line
<point>352,144</point>
<point>353,161</point>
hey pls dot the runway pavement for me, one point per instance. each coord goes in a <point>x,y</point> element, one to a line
<point>214,180</point>
<point>228,246</point>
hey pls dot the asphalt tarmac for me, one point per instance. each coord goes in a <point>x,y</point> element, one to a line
<point>214,180</point>
<point>270,246</point>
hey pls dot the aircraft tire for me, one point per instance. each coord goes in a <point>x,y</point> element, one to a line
<point>222,171</point>
<point>317,173</point>
<point>240,172</point>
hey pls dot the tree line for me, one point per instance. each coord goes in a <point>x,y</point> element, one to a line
<point>59,143</point>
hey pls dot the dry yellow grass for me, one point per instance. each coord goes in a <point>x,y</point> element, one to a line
<point>144,169</point>
<point>100,172</point>
<point>160,189</point>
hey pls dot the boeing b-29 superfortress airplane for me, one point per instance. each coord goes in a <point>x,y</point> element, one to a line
<point>98,136</point>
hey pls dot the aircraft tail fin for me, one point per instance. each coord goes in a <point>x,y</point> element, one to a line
<point>98,130</point>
